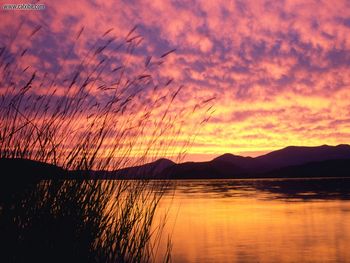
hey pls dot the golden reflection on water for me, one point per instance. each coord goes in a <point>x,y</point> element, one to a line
<point>248,225</point>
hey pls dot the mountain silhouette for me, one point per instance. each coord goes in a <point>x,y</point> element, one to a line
<point>292,161</point>
<point>328,168</point>
<point>246,164</point>
<point>29,170</point>
<point>296,155</point>
<point>151,170</point>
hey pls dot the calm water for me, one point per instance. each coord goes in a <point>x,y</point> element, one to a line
<point>259,220</point>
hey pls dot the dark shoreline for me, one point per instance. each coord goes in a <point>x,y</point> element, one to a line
<point>14,169</point>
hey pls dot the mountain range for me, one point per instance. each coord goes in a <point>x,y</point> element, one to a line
<point>292,161</point>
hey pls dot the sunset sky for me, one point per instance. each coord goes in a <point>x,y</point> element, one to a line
<point>279,70</point>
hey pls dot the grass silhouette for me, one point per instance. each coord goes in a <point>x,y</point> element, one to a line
<point>94,118</point>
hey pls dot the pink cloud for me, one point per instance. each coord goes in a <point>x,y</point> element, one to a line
<point>274,57</point>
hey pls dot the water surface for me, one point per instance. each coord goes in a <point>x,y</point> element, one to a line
<point>289,220</point>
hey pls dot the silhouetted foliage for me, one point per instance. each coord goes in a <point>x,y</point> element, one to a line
<point>91,119</point>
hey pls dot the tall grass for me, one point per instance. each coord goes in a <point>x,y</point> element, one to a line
<point>102,115</point>
<point>80,221</point>
<point>84,119</point>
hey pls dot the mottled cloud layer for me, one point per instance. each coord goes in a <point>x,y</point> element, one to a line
<point>280,70</point>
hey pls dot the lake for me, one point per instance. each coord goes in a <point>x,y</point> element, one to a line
<point>263,220</point>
